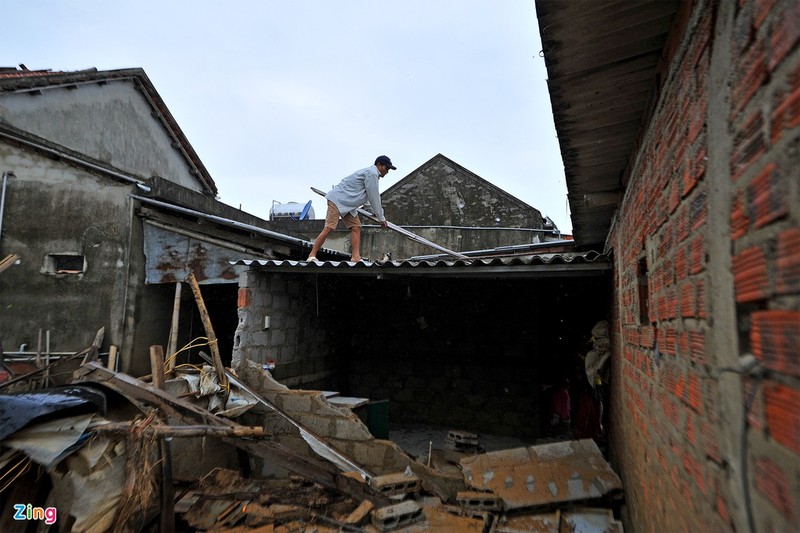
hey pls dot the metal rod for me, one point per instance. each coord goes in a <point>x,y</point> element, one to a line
<point>225,221</point>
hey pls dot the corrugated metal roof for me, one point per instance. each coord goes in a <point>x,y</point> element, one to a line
<point>532,265</point>
<point>602,62</point>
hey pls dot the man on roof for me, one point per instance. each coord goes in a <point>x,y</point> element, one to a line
<point>344,200</point>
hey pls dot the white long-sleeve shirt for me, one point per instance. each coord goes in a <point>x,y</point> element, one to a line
<point>357,189</point>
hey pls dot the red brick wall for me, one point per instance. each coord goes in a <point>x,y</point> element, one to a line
<point>667,392</point>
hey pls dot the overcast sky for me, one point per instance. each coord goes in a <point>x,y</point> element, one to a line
<point>279,96</point>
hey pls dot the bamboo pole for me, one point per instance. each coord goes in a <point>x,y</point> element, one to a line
<point>172,344</point>
<point>212,338</point>
<point>162,431</point>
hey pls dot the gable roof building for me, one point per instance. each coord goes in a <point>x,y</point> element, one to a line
<point>105,207</point>
<point>443,193</point>
<point>97,113</point>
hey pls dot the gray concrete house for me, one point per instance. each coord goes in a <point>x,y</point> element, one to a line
<point>105,207</point>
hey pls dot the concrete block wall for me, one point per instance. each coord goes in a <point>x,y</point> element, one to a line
<point>338,428</point>
<point>294,341</point>
<point>488,397</point>
<point>707,242</point>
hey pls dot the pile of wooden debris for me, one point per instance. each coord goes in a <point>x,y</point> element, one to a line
<point>205,451</point>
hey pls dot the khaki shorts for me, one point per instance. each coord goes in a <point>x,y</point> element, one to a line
<point>333,216</point>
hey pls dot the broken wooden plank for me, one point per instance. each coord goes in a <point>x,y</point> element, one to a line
<point>94,349</point>
<point>161,431</point>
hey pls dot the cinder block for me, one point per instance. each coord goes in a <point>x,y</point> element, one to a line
<point>461,441</point>
<point>396,516</point>
<point>351,429</point>
<point>479,502</point>
<point>396,484</point>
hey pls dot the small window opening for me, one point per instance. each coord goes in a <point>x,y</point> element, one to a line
<point>65,264</point>
<point>644,294</point>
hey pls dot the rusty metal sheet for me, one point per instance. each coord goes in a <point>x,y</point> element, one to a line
<point>169,257</point>
<point>540,475</point>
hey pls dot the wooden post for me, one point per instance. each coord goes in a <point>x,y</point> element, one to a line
<point>167,489</point>
<point>46,379</point>
<point>39,350</point>
<point>157,366</point>
<point>112,358</point>
<point>212,338</point>
<point>172,344</point>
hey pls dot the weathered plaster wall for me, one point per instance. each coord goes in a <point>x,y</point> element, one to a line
<point>111,122</point>
<point>708,272</point>
<point>52,208</point>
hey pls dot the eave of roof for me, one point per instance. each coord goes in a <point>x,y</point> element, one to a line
<point>522,266</point>
<point>602,61</point>
<point>28,80</point>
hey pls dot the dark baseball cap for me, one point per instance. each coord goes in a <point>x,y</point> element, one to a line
<point>384,160</point>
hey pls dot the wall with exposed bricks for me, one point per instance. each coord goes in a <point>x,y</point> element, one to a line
<point>707,242</point>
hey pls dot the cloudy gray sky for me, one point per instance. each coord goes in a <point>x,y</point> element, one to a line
<point>278,96</point>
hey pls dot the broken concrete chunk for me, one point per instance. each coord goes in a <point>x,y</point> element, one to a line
<point>395,516</point>
<point>541,475</point>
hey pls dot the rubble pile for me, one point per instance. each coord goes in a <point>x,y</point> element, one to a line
<point>207,449</point>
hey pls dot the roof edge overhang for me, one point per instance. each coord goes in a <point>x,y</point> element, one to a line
<point>604,61</point>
